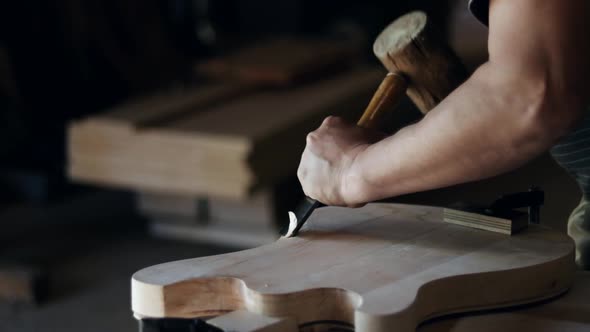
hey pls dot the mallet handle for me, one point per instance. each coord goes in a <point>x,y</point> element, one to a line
<point>390,92</point>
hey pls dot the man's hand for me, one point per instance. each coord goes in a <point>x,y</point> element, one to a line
<point>326,164</point>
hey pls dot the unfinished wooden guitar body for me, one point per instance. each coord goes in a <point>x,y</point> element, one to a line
<point>382,267</point>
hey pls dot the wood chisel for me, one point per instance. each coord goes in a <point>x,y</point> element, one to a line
<point>390,92</point>
<point>419,64</point>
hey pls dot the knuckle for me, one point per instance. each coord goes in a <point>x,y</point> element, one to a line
<point>307,190</point>
<point>311,137</point>
<point>301,173</point>
<point>331,121</point>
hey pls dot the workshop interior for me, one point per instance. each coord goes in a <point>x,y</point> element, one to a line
<point>148,175</point>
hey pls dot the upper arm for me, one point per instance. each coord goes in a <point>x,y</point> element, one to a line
<point>543,42</point>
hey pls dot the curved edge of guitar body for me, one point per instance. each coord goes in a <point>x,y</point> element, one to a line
<point>377,267</point>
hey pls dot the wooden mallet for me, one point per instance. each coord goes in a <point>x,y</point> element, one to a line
<point>419,64</point>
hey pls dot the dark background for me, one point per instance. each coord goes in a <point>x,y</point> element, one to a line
<point>63,60</point>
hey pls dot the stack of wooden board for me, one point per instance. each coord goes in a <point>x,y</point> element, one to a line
<point>211,141</point>
<point>506,223</point>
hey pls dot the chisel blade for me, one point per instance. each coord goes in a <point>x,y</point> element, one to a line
<point>300,216</point>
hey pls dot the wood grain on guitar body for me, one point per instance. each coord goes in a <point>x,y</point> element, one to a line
<point>379,268</point>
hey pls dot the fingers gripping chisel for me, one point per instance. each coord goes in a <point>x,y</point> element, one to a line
<point>388,94</point>
<point>419,64</point>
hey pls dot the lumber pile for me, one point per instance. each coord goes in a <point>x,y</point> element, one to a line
<point>210,162</point>
<point>212,140</point>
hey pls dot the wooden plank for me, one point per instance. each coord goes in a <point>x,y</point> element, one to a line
<point>268,112</point>
<point>164,106</point>
<point>132,149</point>
<point>376,267</point>
<point>163,180</point>
<point>570,312</point>
<point>282,61</point>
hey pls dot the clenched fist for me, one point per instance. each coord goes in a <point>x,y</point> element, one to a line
<point>327,169</point>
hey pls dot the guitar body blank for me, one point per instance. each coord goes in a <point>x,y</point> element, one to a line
<point>379,267</point>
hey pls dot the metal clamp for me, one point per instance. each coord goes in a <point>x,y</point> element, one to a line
<point>532,199</point>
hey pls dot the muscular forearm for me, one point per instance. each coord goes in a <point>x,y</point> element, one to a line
<point>514,107</point>
<point>493,123</point>
<point>530,92</point>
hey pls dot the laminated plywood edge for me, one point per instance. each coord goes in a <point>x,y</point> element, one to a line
<point>485,222</point>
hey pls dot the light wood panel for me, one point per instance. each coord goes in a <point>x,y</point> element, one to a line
<point>377,267</point>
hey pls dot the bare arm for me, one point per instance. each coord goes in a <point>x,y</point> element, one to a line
<point>513,108</point>
<point>530,92</point>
